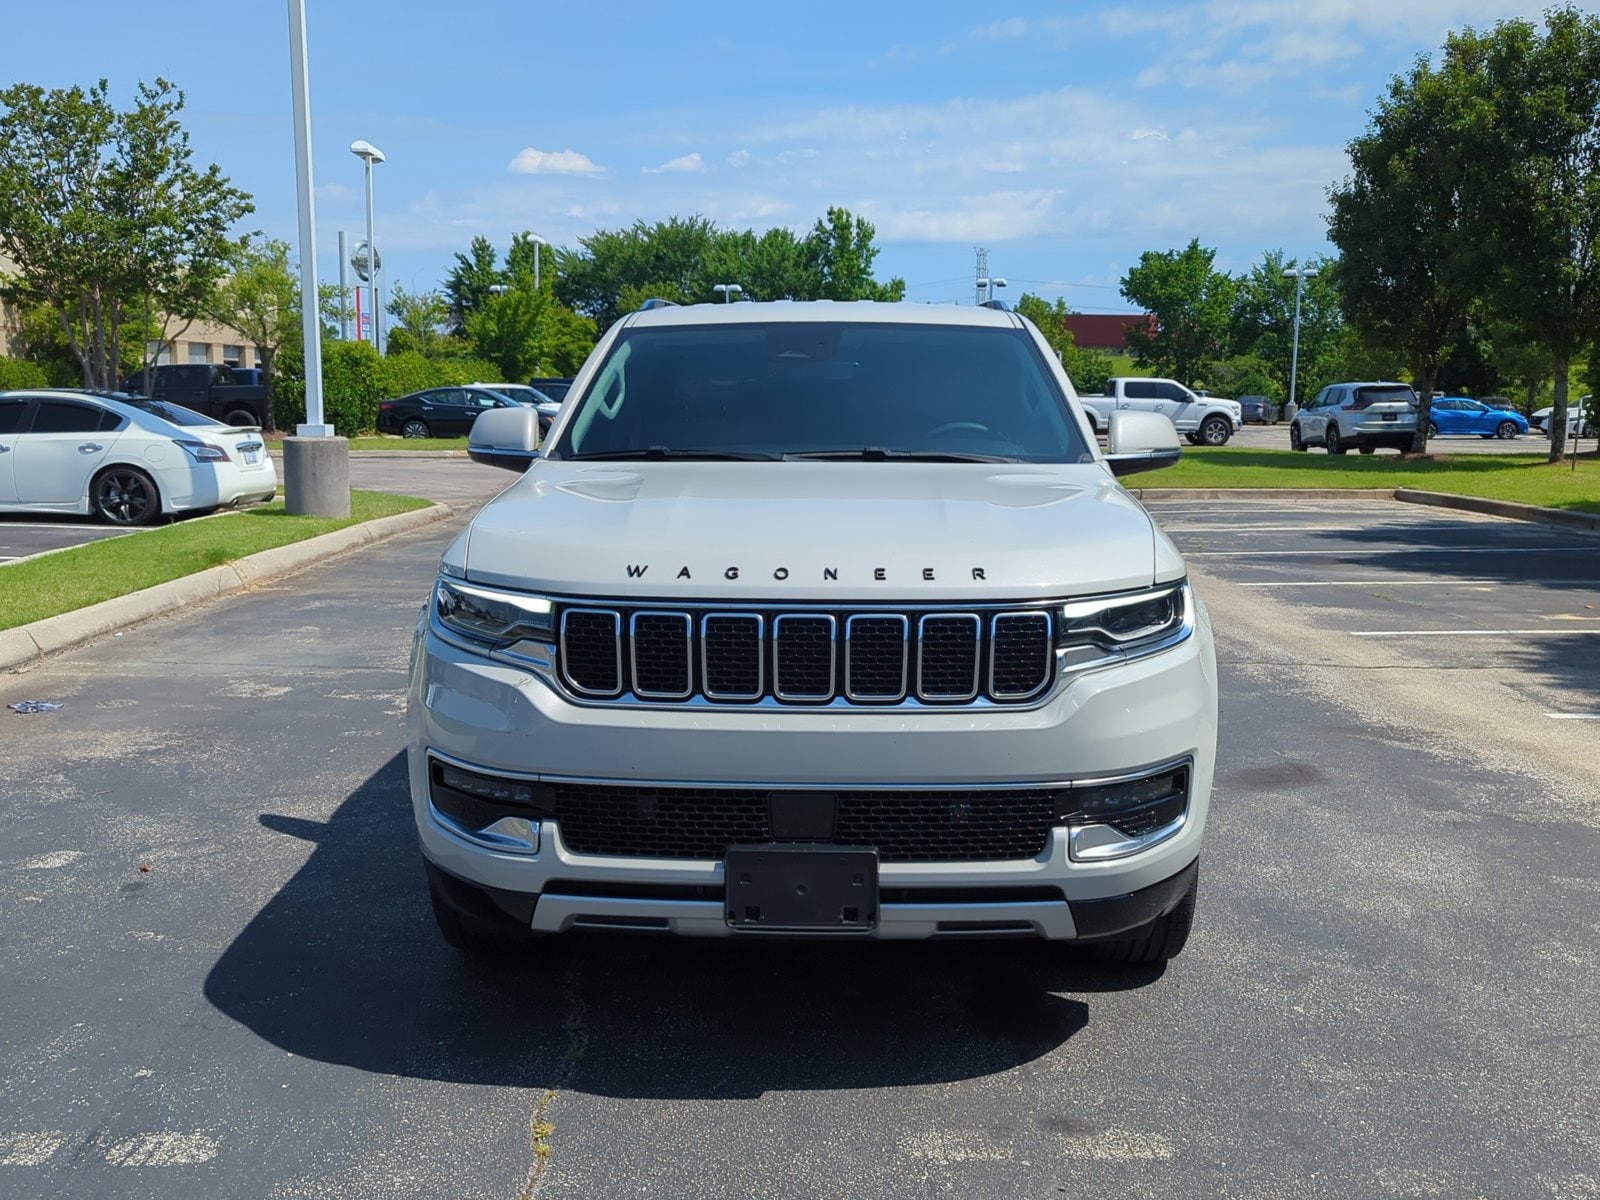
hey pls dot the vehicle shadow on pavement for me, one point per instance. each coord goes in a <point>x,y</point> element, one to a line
<point>343,965</point>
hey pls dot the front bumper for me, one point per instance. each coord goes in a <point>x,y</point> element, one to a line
<point>495,717</point>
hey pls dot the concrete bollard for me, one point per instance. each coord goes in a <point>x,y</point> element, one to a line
<point>316,476</point>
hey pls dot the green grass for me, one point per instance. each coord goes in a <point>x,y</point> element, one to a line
<point>1525,478</point>
<point>399,443</point>
<point>45,587</point>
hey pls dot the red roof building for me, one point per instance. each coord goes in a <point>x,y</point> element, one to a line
<point>1106,332</point>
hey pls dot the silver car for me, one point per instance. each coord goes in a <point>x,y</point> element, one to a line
<point>1362,416</point>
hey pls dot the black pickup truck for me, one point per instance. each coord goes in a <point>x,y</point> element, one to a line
<point>207,388</point>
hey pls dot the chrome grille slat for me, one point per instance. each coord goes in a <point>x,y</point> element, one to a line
<point>871,656</point>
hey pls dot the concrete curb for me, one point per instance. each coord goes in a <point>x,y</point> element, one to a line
<point>1503,508</point>
<point>1263,493</point>
<point>1476,504</point>
<point>26,644</point>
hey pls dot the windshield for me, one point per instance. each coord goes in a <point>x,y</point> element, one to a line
<point>824,389</point>
<point>175,413</point>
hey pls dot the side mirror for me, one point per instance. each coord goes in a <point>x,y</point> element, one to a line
<point>1140,441</point>
<point>505,437</point>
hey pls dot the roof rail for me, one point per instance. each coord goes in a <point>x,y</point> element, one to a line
<point>997,305</point>
<point>657,302</point>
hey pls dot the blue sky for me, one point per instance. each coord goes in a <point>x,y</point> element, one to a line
<point>1067,138</point>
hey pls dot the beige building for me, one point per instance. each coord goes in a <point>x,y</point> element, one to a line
<point>199,342</point>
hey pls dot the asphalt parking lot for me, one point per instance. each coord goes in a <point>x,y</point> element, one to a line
<point>221,978</point>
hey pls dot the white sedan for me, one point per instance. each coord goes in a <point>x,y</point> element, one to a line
<point>1576,425</point>
<point>125,459</point>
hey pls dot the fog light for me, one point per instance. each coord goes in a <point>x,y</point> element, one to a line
<point>486,787</point>
<point>1134,808</point>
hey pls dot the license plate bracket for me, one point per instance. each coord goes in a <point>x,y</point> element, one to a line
<point>801,888</point>
<point>251,457</point>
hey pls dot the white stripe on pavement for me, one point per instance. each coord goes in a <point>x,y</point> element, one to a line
<point>1401,633</point>
<point>1434,582</point>
<point>1396,548</point>
<point>1573,716</point>
<point>30,1149</point>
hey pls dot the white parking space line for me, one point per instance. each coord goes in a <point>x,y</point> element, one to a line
<point>1392,549</point>
<point>1573,716</point>
<point>1407,633</point>
<point>1434,582</point>
<point>30,1149</point>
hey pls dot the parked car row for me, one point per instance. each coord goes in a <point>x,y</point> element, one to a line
<point>451,411</point>
<point>1457,414</point>
<point>126,459</point>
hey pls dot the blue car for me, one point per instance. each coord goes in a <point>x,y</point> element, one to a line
<point>1457,414</point>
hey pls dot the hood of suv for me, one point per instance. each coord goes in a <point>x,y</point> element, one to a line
<point>814,530</point>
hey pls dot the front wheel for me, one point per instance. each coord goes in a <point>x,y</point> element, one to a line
<point>242,417</point>
<point>1215,431</point>
<point>1332,442</point>
<point>1433,431</point>
<point>1506,430</point>
<point>414,429</point>
<point>1296,442</point>
<point>1192,438</point>
<point>1158,942</point>
<point>125,496</point>
<point>1368,449</point>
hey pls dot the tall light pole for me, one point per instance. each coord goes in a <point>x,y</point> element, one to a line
<point>369,154</point>
<point>537,243</point>
<point>1299,276</point>
<point>728,290</point>
<point>316,464</point>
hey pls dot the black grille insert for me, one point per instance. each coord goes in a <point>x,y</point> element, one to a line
<point>731,646</point>
<point>803,649</point>
<point>591,650</point>
<point>1020,655</point>
<point>947,656</point>
<point>875,657</point>
<point>976,825</point>
<point>662,655</point>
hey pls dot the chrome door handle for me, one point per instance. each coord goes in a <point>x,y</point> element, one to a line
<point>90,447</point>
<point>5,449</point>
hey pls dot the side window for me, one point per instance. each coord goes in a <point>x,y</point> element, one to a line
<point>11,415</point>
<point>1172,391</point>
<point>1139,389</point>
<point>58,416</point>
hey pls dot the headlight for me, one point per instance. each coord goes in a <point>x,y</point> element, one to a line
<point>1132,623</point>
<point>491,615</point>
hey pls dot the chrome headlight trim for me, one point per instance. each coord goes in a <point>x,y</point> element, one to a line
<point>492,618</point>
<point>1125,625</point>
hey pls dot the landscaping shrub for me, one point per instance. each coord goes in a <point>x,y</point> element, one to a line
<point>15,373</point>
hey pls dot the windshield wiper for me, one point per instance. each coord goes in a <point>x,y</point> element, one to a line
<point>663,453</point>
<point>883,454</point>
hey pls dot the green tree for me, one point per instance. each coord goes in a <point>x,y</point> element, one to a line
<point>1528,122</point>
<point>1405,275</point>
<point>1245,375</point>
<point>669,256</point>
<point>259,297</point>
<point>1262,322</point>
<point>106,216</point>
<point>838,255</point>
<point>1192,304</point>
<point>420,321</point>
<point>467,286</point>
<point>1087,368</point>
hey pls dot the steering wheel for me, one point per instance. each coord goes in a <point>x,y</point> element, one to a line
<point>950,427</point>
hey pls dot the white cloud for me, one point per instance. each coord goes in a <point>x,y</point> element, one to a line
<point>1000,31</point>
<point>547,162</point>
<point>683,164</point>
<point>739,158</point>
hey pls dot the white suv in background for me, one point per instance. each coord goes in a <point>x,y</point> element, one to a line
<point>781,634</point>
<point>1361,416</point>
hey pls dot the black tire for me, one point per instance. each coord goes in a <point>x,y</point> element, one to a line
<point>1160,941</point>
<point>1192,438</point>
<point>1331,440</point>
<point>1433,431</point>
<point>242,416</point>
<point>1506,430</point>
<point>1296,442</point>
<point>415,427</point>
<point>1366,449</point>
<point>1215,431</point>
<point>469,921</point>
<point>125,496</point>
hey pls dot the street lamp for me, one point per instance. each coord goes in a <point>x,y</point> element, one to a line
<point>986,287</point>
<point>728,290</point>
<point>369,154</point>
<point>316,464</point>
<point>537,242</point>
<point>1299,276</point>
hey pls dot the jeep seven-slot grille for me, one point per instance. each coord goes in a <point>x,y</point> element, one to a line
<point>734,657</point>
<point>976,825</point>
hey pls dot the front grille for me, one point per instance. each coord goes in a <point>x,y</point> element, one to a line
<point>800,658</point>
<point>978,825</point>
